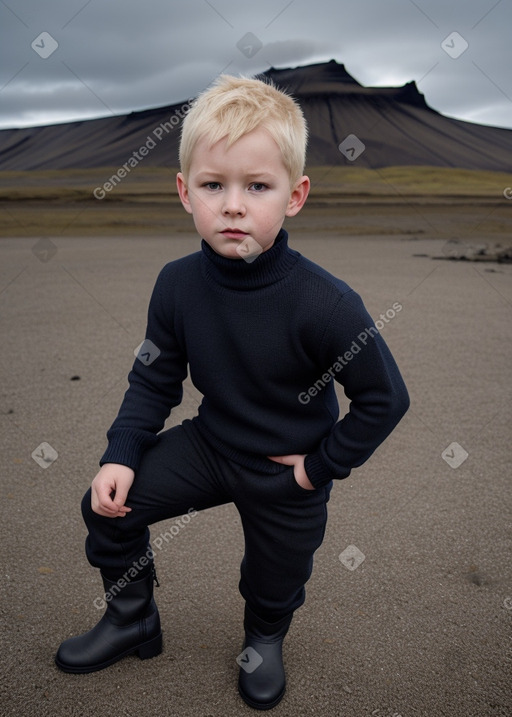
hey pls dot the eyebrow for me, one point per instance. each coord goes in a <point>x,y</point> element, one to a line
<point>264,175</point>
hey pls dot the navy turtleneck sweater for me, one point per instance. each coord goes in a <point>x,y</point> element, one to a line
<point>264,342</point>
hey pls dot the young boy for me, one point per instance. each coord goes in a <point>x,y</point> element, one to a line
<point>263,332</point>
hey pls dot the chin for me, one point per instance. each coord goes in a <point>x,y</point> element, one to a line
<point>231,253</point>
<point>228,251</point>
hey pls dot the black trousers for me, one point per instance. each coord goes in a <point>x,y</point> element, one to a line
<point>283,523</point>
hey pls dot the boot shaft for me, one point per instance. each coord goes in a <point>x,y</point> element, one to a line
<point>129,600</point>
<point>263,630</point>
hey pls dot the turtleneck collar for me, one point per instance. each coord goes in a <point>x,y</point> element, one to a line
<point>239,275</point>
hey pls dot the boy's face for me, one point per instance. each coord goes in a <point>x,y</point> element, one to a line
<point>240,194</point>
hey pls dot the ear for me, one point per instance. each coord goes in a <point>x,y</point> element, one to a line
<point>183,192</point>
<point>298,196</point>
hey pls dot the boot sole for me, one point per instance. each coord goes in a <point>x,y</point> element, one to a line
<point>147,650</point>
<point>261,705</point>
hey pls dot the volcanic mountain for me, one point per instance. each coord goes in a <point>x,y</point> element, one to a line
<point>375,126</point>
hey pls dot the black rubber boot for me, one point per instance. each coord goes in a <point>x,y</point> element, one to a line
<point>131,623</point>
<point>262,680</point>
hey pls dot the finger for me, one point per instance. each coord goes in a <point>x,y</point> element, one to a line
<point>285,460</point>
<point>111,512</point>
<point>102,503</point>
<point>104,499</point>
<point>104,510</point>
<point>120,498</point>
<point>105,507</point>
<point>122,511</point>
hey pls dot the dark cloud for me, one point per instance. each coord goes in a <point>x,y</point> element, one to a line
<point>299,51</point>
<point>117,56</point>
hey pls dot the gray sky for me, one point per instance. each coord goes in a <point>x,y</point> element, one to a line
<point>105,57</point>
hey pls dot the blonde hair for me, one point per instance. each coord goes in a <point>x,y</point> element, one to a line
<point>234,106</point>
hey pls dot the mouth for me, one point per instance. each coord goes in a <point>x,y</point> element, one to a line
<point>234,233</point>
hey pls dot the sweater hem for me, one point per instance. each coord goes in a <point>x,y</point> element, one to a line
<point>253,461</point>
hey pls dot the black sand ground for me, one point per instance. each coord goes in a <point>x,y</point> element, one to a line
<point>421,627</point>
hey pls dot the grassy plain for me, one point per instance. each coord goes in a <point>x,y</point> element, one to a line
<point>343,200</point>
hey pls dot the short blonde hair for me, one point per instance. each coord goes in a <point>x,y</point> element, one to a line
<point>234,106</point>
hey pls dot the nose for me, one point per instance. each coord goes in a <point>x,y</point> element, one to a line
<point>233,203</point>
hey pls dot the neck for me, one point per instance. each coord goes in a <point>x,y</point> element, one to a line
<point>236,274</point>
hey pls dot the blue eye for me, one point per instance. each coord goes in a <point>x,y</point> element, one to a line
<point>258,186</point>
<point>212,185</point>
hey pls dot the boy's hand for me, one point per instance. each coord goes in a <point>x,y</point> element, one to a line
<point>297,461</point>
<point>109,490</point>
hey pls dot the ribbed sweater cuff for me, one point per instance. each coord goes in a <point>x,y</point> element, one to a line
<point>126,447</point>
<point>317,471</point>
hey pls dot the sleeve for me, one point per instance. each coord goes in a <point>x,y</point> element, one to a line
<point>362,363</point>
<point>155,381</point>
